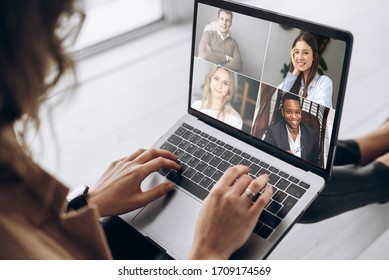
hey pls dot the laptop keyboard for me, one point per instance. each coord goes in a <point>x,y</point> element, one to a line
<point>204,159</point>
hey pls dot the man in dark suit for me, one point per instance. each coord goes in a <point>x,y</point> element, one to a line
<point>291,134</point>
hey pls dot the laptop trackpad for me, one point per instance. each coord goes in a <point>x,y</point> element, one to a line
<point>170,221</point>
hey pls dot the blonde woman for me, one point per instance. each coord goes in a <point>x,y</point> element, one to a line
<point>218,90</point>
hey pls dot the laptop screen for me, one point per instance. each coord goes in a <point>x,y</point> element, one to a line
<point>274,81</point>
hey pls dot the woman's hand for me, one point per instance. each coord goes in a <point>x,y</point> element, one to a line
<point>229,215</point>
<point>119,190</point>
<point>296,71</point>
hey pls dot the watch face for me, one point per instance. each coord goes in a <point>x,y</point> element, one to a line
<point>74,192</point>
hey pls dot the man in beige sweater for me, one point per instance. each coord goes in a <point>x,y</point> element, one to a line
<point>217,45</point>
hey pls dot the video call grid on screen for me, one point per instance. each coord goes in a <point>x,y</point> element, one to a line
<point>258,86</point>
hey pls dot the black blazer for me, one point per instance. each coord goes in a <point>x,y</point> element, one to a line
<point>277,135</point>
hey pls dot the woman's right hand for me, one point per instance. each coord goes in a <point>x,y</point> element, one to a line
<point>229,215</point>
<point>296,71</point>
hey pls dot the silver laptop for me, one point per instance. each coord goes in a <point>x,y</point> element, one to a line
<point>251,78</point>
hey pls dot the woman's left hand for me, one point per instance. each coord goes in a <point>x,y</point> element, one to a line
<point>119,190</point>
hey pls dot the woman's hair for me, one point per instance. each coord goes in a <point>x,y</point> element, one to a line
<point>311,41</point>
<point>31,48</point>
<point>226,107</point>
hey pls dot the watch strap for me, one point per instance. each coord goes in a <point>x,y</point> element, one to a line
<point>79,201</point>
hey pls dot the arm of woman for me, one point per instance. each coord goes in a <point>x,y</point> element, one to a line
<point>119,190</point>
<point>228,215</point>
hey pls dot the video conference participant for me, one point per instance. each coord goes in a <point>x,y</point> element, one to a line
<point>303,78</point>
<point>217,45</point>
<point>218,90</point>
<point>291,134</point>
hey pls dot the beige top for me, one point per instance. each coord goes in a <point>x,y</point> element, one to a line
<point>34,225</point>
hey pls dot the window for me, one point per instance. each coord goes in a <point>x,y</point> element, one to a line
<point>111,22</point>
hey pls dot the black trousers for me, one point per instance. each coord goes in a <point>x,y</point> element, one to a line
<point>351,186</point>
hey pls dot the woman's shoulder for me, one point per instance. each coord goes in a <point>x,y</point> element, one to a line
<point>323,78</point>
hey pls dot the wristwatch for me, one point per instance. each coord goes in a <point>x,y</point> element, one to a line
<point>77,197</point>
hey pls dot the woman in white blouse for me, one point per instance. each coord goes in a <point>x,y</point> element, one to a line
<point>303,78</point>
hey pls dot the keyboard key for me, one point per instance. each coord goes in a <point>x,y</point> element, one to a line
<point>227,155</point>
<point>295,190</point>
<point>192,187</point>
<point>164,171</point>
<point>189,172</point>
<point>174,139</point>
<point>179,153</point>
<point>245,162</point>
<point>210,147</point>
<point>282,184</point>
<point>193,162</point>
<point>203,143</point>
<point>273,178</point>
<point>207,157</point>
<point>228,147</point>
<point>191,148</point>
<point>196,138</point>
<point>205,182</point>
<point>235,160</point>
<point>279,196</point>
<point>180,131</point>
<point>254,169</point>
<point>265,231</point>
<point>173,175</point>
<point>255,160</point>
<point>269,219</point>
<point>288,203</point>
<point>218,151</point>
<point>197,177</point>
<point>187,126</point>
<point>168,147</point>
<point>273,169</point>
<point>201,166</point>
<point>185,158</point>
<point>304,185</point>
<point>258,226</point>
<point>216,176</point>
<point>293,179</point>
<point>273,207</point>
<point>283,174</point>
<point>246,155</point>
<point>223,166</point>
<point>215,161</point>
<point>187,135</point>
<point>264,164</point>
<point>209,171</point>
<point>199,153</point>
<point>236,151</point>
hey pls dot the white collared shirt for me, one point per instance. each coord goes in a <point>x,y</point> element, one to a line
<point>295,146</point>
<point>222,36</point>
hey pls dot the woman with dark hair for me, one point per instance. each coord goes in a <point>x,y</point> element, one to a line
<point>36,222</point>
<point>303,78</point>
